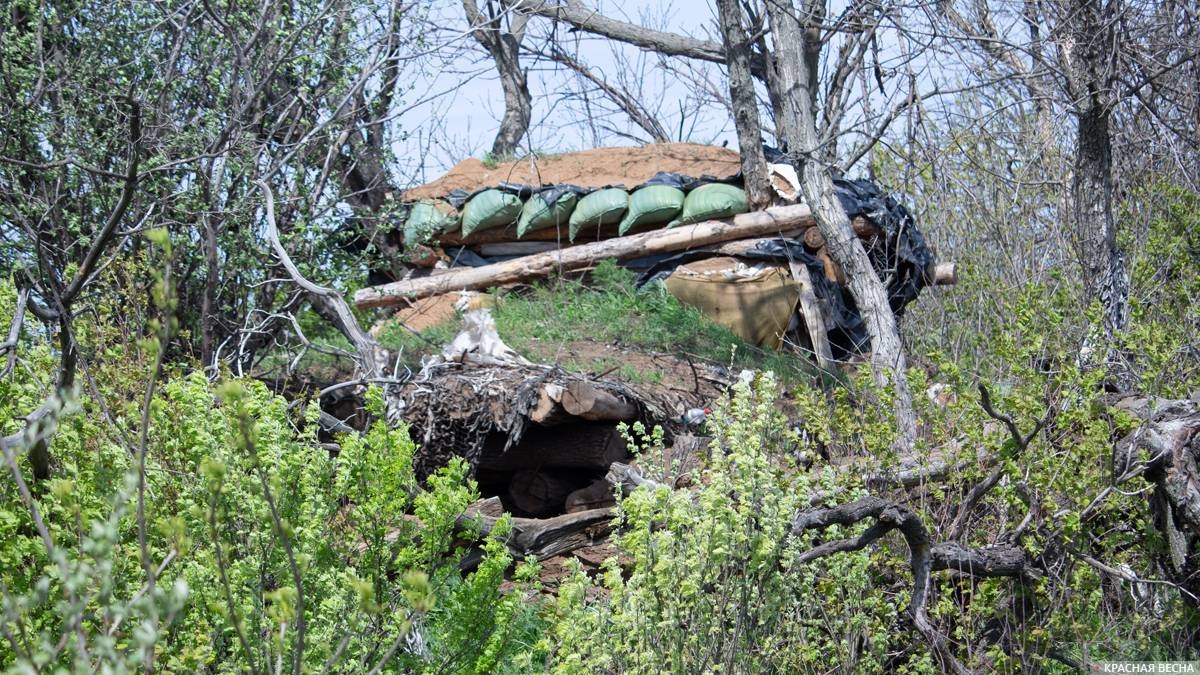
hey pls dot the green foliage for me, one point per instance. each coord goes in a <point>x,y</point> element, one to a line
<point>1165,298</point>
<point>713,585</point>
<point>253,529</point>
<point>608,310</point>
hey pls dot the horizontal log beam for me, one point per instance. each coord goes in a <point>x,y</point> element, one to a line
<point>773,220</point>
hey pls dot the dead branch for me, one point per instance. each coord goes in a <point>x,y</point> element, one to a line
<point>326,301</point>
<point>14,332</point>
<point>577,15</point>
<point>888,516</point>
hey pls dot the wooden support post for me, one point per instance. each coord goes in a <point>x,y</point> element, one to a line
<point>810,309</point>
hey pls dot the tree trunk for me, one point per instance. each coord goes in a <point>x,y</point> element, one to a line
<point>745,104</point>
<point>518,104</point>
<point>504,47</point>
<point>1106,275</point>
<point>794,80</point>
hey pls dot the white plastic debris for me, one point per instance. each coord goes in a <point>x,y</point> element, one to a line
<point>480,343</point>
<point>788,173</point>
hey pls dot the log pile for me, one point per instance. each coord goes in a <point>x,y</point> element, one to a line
<point>537,436</point>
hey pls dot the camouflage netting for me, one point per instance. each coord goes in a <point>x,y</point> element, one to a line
<point>457,410</point>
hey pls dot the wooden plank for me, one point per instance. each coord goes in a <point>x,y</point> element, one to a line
<point>814,321</point>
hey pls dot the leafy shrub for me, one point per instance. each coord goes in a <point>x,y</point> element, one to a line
<point>712,585</point>
<point>257,536</point>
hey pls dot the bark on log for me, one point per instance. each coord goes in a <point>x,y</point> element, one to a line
<point>581,399</point>
<point>759,223</point>
<point>490,506</point>
<point>504,248</point>
<point>547,537</point>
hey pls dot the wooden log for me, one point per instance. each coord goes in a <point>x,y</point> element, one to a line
<point>490,506</point>
<point>553,536</point>
<point>810,309</point>
<point>548,410</point>
<point>582,399</point>
<point>540,493</point>
<point>547,537</point>
<point>865,229</point>
<point>504,248</point>
<point>813,239</point>
<point>628,478</point>
<point>598,495</point>
<point>755,224</point>
<point>941,274</point>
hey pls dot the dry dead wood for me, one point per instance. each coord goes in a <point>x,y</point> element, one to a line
<point>814,321</point>
<point>547,537</point>
<point>773,220</point>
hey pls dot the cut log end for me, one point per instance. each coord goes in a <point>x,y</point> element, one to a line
<point>941,274</point>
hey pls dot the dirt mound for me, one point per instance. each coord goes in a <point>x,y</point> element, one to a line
<point>589,168</point>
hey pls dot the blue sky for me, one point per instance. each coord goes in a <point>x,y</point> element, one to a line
<point>463,122</point>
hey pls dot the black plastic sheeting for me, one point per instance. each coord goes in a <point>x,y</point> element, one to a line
<point>687,183</point>
<point>903,258</point>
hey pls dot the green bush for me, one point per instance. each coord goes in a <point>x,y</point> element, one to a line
<point>712,586</point>
<point>257,534</point>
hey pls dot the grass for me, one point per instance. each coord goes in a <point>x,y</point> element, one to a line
<point>609,310</point>
<point>491,161</point>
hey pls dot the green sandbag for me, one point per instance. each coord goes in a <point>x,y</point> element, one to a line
<point>602,207</point>
<point>652,204</point>
<point>427,219</point>
<point>489,209</point>
<point>708,202</point>
<point>538,215</point>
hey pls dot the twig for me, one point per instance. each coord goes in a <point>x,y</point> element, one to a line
<point>976,493</point>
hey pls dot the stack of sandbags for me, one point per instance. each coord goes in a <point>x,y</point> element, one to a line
<point>570,211</point>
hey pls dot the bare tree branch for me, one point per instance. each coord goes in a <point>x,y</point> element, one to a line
<point>371,356</point>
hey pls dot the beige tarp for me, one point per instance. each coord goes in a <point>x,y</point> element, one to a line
<point>755,302</point>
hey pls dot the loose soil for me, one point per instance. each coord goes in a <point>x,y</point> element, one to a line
<point>590,168</point>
